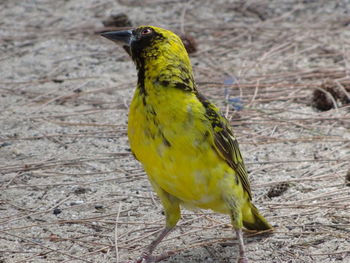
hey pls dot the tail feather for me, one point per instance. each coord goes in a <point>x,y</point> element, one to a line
<point>255,221</point>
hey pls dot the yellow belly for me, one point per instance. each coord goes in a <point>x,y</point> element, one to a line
<point>175,146</point>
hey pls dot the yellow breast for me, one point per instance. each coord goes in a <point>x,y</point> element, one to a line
<point>171,138</point>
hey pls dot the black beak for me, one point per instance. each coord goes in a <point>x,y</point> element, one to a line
<point>123,36</point>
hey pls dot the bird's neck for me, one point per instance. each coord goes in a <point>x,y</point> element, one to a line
<point>165,72</point>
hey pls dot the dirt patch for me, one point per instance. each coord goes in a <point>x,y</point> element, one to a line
<point>71,190</point>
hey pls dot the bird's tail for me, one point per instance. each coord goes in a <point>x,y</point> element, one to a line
<point>254,220</point>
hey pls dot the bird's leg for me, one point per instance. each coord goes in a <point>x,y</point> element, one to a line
<point>155,242</point>
<point>172,214</point>
<point>242,256</point>
<point>237,223</point>
<point>147,255</point>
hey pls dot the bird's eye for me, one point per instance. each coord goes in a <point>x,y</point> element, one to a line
<point>146,31</point>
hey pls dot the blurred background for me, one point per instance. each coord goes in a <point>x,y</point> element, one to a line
<point>70,190</point>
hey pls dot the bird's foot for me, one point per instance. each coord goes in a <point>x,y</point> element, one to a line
<point>148,258</point>
<point>144,258</point>
<point>242,259</point>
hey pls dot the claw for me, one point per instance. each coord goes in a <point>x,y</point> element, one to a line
<point>144,258</point>
<point>242,260</point>
<point>147,258</point>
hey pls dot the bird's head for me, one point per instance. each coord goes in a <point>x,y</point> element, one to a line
<point>147,43</point>
<point>159,55</point>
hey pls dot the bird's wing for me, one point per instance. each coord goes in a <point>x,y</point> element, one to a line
<point>225,142</point>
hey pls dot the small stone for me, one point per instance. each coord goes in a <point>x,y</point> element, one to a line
<point>118,20</point>
<point>189,43</point>
<point>98,207</point>
<point>57,211</point>
<point>4,144</point>
<point>81,190</point>
<point>57,80</point>
<point>278,189</point>
<point>347,178</point>
<point>78,202</point>
<point>329,93</point>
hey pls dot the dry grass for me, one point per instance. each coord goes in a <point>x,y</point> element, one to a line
<point>70,190</point>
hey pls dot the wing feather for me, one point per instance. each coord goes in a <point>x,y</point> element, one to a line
<point>225,142</point>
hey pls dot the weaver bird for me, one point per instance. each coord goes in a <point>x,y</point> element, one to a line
<point>185,144</point>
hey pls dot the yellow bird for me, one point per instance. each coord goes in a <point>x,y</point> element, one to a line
<point>185,144</point>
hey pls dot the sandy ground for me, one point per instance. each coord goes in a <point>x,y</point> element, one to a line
<point>70,191</point>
